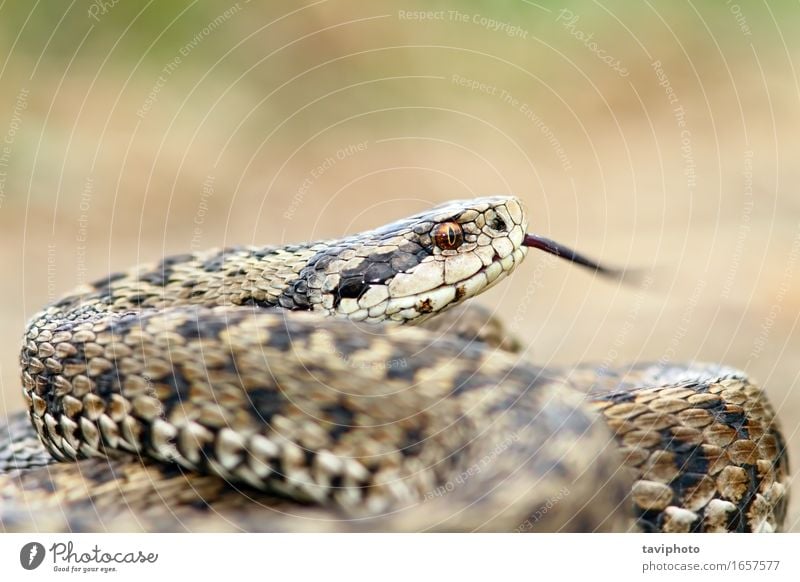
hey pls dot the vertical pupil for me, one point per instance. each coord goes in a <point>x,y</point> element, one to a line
<point>448,236</point>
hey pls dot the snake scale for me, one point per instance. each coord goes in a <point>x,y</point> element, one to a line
<point>329,386</point>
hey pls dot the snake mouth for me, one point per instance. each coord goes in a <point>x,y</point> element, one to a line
<point>555,248</point>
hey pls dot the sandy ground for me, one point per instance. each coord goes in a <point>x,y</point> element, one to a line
<point>684,166</point>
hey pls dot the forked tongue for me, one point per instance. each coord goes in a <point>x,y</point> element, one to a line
<point>559,250</point>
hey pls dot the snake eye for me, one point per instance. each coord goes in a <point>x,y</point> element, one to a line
<point>448,235</point>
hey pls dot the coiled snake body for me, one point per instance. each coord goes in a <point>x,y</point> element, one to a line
<point>275,389</point>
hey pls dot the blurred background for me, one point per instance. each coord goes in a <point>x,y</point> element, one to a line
<point>656,134</point>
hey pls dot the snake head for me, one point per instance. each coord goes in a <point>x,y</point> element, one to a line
<point>412,268</point>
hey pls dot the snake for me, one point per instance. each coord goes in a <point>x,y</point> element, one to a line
<point>350,385</point>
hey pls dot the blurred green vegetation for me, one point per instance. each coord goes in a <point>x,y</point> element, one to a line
<point>127,32</point>
<point>263,46</point>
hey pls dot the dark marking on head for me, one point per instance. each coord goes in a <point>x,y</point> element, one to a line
<point>380,257</point>
<point>403,262</point>
<point>351,288</point>
<point>412,248</point>
<point>378,273</point>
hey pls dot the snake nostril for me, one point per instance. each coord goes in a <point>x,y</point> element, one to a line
<point>498,224</point>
